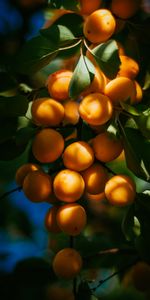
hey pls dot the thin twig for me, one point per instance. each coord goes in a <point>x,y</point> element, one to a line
<point>17,189</point>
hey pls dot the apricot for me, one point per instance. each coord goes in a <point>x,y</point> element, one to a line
<point>106,147</point>
<point>95,197</point>
<point>58,84</point>
<point>99,26</point>
<point>96,109</point>
<point>95,178</point>
<point>47,112</point>
<point>78,156</point>
<point>139,93</point>
<point>51,221</point>
<point>125,9</point>
<point>141,276</point>
<point>128,68</point>
<point>71,112</point>
<point>48,145</point>
<point>120,190</point>
<point>67,263</point>
<point>86,7</point>
<point>68,185</point>
<point>37,186</point>
<point>120,89</point>
<point>23,170</point>
<point>71,218</point>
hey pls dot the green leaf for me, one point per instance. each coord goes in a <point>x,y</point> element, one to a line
<point>129,223</point>
<point>8,128</point>
<point>13,106</point>
<point>72,5</point>
<point>133,110</point>
<point>59,35</point>
<point>82,76</point>
<point>7,82</point>
<point>143,122</point>
<point>24,135</point>
<point>107,57</point>
<point>73,21</point>
<point>34,55</point>
<point>137,150</point>
<point>10,150</point>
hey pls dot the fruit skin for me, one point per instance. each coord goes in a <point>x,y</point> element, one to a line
<point>58,84</point>
<point>128,68</point>
<point>141,276</point>
<point>125,9</point>
<point>120,89</point>
<point>51,221</point>
<point>23,170</point>
<point>57,292</point>
<point>96,109</point>
<point>47,112</point>
<point>37,186</point>
<point>88,6</point>
<point>139,93</point>
<point>78,156</point>
<point>68,185</point>
<point>106,147</point>
<point>71,218</point>
<point>71,112</point>
<point>95,178</point>
<point>67,263</point>
<point>48,145</point>
<point>120,190</point>
<point>99,26</point>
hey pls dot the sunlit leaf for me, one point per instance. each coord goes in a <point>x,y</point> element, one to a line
<point>107,57</point>
<point>82,76</point>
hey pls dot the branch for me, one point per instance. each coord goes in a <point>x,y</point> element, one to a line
<point>114,274</point>
<point>123,251</point>
<point>17,189</point>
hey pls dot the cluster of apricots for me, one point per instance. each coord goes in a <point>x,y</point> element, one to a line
<point>84,170</point>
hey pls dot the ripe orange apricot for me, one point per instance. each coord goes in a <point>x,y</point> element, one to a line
<point>99,26</point>
<point>128,68</point>
<point>48,145</point>
<point>67,263</point>
<point>47,112</point>
<point>71,112</point>
<point>125,9</point>
<point>96,109</point>
<point>68,185</point>
<point>71,218</point>
<point>120,190</point>
<point>120,89</point>
<point>57,292</point>
<point>51,221</point>
<point>78,156</point>
<point>95,197</point>
<point>88,6</point>
<point>58,84</point>
<point>139,93</point>
<point>23,170</point>
<point>95,178</point>
<point>37,186</point>
<point>106,147</point>
<point>141,276</point>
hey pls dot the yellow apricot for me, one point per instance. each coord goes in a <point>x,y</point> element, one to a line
<point>96,109</point>
<point>48,145</point>
<point>37,186</point>
<point>120,89</point>
<point>128,68</point>
<point>125,9</point>
<point>120,190</point>
<point>71,218</point>
<point>67,263</point>
<point>51,221</point>
<point>58,84</point>
<point>95,178</point>
<point>23,170</point>
<point>47,112</point>
<point>106,147</point>
<point>71,112</point>
<point>78,156</point>
<point>99,26</point>
<point>68,185</point>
